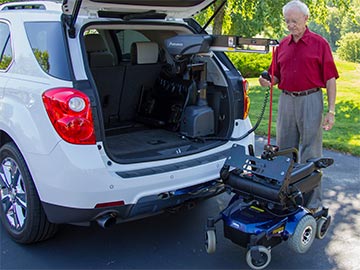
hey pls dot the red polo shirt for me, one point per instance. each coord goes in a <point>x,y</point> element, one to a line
<point>303,65</point>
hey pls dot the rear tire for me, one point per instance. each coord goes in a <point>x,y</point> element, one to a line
<point>21,211</point>
<point>304,234</point>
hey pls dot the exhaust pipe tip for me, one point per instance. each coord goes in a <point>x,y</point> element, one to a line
<point>107,220</point>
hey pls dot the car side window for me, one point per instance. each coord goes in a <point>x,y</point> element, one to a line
<point>5,46</point>
<point>126,38</point>
<point>46,42</point>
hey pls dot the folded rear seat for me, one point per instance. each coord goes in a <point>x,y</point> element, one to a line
<point>141,74</point>
<point>108,77</point>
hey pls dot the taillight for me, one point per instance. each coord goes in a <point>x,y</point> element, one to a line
<point>70,114</point>
<point>246,98</point>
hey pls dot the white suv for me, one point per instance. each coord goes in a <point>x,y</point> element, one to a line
<point>110,112</point>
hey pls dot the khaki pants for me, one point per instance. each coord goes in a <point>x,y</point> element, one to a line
<point>299,125</point>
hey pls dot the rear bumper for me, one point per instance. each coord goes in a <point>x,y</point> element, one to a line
<point>83,180</point>
<point>146,206</point>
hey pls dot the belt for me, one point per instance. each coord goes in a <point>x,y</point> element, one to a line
<point>301,93</point>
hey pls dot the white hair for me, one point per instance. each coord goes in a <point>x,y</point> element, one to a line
<point>296,4</point>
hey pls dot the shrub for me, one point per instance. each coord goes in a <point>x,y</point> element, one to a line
<point>349,47</point>
<point>250,64</point>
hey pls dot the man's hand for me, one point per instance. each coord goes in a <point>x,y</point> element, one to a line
<point>329,121</point>
<point>265,79</point>
<point>264,82</point>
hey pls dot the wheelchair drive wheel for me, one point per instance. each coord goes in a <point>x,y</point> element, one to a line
<point>304,234</point>
<point>210,241</point>
<point>322,227</point>
<point>258,257</point>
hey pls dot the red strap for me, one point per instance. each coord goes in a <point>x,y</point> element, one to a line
<point>271,94</point>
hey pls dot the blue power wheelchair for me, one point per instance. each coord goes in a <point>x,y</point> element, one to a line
<point>269,203</point>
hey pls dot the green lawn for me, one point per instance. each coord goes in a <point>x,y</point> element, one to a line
<point>345,135</point>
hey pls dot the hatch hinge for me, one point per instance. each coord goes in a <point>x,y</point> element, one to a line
<point>70,20</point>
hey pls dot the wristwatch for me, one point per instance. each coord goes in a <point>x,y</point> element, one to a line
<point>332,112</point>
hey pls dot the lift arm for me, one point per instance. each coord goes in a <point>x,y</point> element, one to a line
<point>203,43</point>
<point>241,44</point>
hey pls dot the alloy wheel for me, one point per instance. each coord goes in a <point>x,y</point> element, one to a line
<point>13,193</point>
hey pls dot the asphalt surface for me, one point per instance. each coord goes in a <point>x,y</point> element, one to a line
<point>176,241</point>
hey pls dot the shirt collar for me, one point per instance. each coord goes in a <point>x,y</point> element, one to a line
<point>304,38</point>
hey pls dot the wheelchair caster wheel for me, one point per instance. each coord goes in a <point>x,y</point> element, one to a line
<point>258,257</point>
<point>322,227</point>
<point>210,241</point>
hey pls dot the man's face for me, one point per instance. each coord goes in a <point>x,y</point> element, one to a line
<point>296,22</point>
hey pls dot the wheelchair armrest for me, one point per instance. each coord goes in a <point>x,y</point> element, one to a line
<point>286,152</point>
<point>301,171</point>
<point>321,162</point>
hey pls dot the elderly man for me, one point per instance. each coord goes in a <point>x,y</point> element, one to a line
<point>302,65</point>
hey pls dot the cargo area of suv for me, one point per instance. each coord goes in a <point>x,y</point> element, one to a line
<point>155,105</point>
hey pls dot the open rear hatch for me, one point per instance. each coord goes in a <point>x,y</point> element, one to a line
<point>171,8</point>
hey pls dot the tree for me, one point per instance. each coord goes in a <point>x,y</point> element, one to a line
<point>251,17</point>
<point>349,47</point>
<point>332,29</point>
<point>6,1</point>
<point>351,21</point>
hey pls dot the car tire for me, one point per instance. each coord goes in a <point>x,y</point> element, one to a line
<point>21,211</point>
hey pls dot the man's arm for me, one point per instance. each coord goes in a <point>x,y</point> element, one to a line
<point>329,119</point>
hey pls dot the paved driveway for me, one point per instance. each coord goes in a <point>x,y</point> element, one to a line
<point>176,241</point>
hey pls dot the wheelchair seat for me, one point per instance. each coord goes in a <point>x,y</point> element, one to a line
<point>275,180</point>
